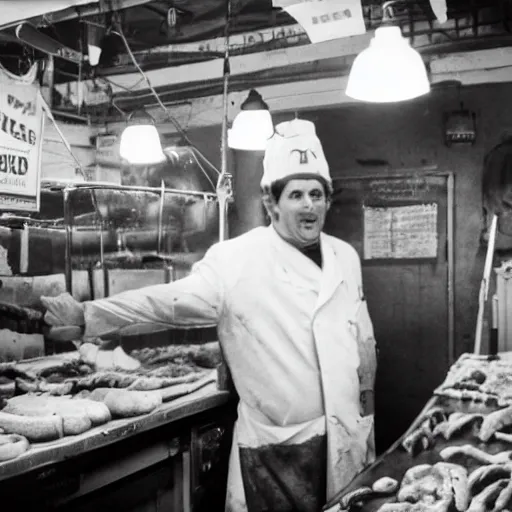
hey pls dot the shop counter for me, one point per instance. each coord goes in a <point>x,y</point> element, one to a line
<point>162,459</point>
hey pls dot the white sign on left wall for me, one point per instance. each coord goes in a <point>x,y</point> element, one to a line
<point>21,134</point>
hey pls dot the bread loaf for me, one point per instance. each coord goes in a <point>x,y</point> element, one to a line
<point>125,403</point>
<point>40,428</point>
<point>12,446</point>
<point>78,416</point>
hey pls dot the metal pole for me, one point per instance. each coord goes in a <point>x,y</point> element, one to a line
<point>451,270</point>
<point>484,285</point>
<point>102,251</point>
<point>68,219</point>
<point>160,218</point>
<point>224,184</point>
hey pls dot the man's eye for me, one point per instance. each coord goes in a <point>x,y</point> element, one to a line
<point>316,194</point>
<point>295,195</point>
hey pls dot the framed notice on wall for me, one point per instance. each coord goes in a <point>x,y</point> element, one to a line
<point>391,218</point>
<point>21,131</point>
<point>400,232</point>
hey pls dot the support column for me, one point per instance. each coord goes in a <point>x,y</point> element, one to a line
<point>248,211</point>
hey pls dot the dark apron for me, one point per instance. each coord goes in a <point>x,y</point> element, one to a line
<point>285,478</point>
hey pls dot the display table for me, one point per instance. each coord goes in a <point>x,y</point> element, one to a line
<point>181,437</point>
<point>43,454</point>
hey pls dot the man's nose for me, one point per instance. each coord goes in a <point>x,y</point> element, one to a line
<point>307,202</point>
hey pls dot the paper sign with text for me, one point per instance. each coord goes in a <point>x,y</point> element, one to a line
<point>324,20</point>
<point>21,133</point>
<point>400,232</point>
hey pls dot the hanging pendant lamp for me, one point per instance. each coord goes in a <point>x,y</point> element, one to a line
<point>389,70</point>
<point>252,126</point>
<point>140,144</point>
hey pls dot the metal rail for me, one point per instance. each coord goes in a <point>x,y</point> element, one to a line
<point>131,188</point>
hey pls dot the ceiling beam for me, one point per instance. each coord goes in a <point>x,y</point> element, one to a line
<point>44,11</point>
<point>239,65</point>
<point>330,59</point>
<point>298,96</point>
<point>473,61</point>
<point>422,34</point>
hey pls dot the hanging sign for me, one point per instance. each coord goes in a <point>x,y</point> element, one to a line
<point>324,20</point>
<point>21,131</point>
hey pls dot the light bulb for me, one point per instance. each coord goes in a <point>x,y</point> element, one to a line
<point>94,54</point>
<point>389,70</point>
<point>140,144</point>
<point>251,130</point>
<point>253,126</point>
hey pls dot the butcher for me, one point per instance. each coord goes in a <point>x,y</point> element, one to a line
<point>293,323</point>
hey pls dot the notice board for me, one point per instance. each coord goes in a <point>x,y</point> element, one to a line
<point>390,218</point>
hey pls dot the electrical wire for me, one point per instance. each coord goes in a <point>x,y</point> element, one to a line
<point>119,32</point>
<point>175,123</point>
<point>127,89</point>
<point>203,170</point>
<point>122,112</point>
<point>212,167</point>
<point>49,113</point>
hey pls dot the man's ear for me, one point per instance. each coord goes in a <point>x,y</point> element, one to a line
<point>270,205</point>
<point>267,202</point>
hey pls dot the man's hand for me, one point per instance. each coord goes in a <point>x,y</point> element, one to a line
<point>367,403</point>
<point>64,333</point>
<point>65,316</point>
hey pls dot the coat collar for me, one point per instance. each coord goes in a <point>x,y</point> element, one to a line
<point>295,267</point>
<point>292,266</point>
<point>332,271</point>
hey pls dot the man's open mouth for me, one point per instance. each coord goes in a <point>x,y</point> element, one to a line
<point>308,222</point>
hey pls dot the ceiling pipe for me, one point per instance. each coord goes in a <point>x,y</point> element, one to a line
<point>98,7</point>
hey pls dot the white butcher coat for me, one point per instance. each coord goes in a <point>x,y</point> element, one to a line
<point>292,335</point>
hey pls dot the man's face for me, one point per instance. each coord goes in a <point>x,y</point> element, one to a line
<point>299,215</point>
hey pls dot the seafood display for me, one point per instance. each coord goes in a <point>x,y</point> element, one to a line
<point>422,438</point>
<point>479,379</point>
<point>456,457</point>
<point>463,478</point>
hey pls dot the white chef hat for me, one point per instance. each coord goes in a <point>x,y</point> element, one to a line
<point>294,151</point>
